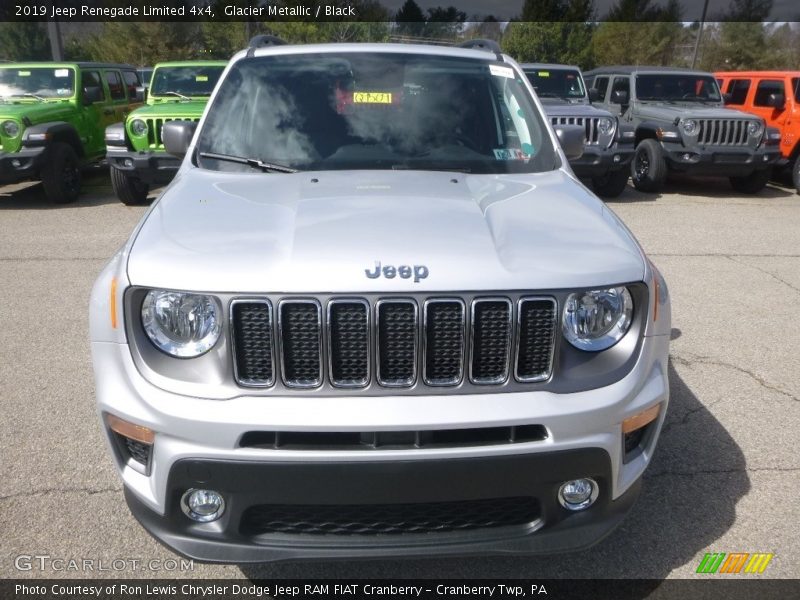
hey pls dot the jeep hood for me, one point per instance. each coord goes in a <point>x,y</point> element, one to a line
<point>565,109</point>
<point>36,112</point>
<point>170,109</point>
<point>664,111</point>
<point>319,232</point>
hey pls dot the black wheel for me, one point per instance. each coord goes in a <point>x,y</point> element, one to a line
<point>612,184</point>
<point>753,183</point>
<point>61,175</point>
<point>648,168</point>
<point>131,190</point>
<point>796,174</point>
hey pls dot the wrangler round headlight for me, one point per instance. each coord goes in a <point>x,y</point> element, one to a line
<point>10,129</point>
<point>138,127</point>
<point>755,129</point>
<point>597,319</point>
<point>605,125</point>
<point>181,324</point>
<point>689,127</point>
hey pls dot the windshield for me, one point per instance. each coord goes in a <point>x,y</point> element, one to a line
<point>692,87</point>
<point>185,81</point>
<point>41,82</point>
<point>375,111</point>
<point>556,83</point>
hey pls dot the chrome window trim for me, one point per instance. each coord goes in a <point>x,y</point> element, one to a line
<point>413,379</point>
<point>329,334</point>
<point>313,301</point>
<point>549,373</point>
<point>509,340</point>
<point>443,300</point>
<point>232,330</point>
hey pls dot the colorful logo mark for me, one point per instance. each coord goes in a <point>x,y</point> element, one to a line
<point>736,562</point>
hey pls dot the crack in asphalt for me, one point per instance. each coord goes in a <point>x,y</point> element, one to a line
<point>54,491</point>
<point>757,268</point>
<point>668,473</point>
<point>707,360</point>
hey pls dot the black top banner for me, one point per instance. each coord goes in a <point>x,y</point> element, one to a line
<point>686,11</point>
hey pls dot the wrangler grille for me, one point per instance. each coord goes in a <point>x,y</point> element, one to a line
<point>588,123</point>
<point>154,127</point>
<point>392,342</point>
<point>723,132</point>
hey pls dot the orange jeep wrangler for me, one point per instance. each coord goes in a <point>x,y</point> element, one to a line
<point>775,96</point>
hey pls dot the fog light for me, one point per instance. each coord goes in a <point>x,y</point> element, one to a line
<point>203,506</point>
<point>578,494</point>
<point>766,157</point>
<point>15,163</point>
<point>128,162</point>
<point>687,156</point>
<point>617,158</point>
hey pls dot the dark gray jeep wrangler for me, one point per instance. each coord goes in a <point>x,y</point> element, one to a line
<point>609,148</point>
<point>681,125</point>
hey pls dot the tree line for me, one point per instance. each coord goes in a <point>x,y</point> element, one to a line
<point>557,31</point>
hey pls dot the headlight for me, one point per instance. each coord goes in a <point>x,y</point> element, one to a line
<point>689,127</point>
<point>605,125</point>
<point>10,128</point>
<point>138,127</point>
<point>755,129</point>
<point>597,319</point>
<point>181,324</point>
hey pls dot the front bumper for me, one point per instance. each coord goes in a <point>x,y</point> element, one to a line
<point>151,167</point>
<point>397,487</point>
<point>597,161</point>
<point>22,165</point>
<point>720,160</point>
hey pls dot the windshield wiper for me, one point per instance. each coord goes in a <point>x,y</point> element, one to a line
<point>179,95</point>
<point>250,162</point>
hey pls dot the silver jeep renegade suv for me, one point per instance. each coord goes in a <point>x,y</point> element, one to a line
<point>376,314</point>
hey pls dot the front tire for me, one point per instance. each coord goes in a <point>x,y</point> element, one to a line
<point>61,176</point>
<point>753,183</point>
<point>131,190</point>
<point>612,184</point>
<point>648,168</point>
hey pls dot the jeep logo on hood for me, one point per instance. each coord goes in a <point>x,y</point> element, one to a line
<point>404,271</point>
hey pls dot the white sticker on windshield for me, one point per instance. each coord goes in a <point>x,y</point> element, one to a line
<point>62,73</point>
<point>501,71</point>
<point>510,154</point>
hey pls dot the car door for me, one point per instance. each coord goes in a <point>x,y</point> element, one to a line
<point>117,108</point>
<point>94,98</point>
<point>620,83</point>
<point>760,105</point>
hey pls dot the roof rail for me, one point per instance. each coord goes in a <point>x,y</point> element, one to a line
<point>482,44</point>
<point>262,41</point>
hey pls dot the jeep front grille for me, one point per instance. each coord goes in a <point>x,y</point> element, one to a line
<point>723,132</point>
<point>588,123</point>
<point>392,341</point>
<point>154,127</point>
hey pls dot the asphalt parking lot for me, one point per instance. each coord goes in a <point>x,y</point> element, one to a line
<point>724,479</point>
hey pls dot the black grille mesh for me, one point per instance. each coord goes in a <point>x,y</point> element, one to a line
<point>397,342</point>
<point>252,330</point>
<point>300,341</point>
<point>349,343</point>
<point>444,342</point>
<point>536,338</point>
<point>491,329</point>
<point>389,519</point>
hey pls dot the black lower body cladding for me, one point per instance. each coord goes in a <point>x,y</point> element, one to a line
<point>148,167</point>
<point>21,166</point>
<point>456,506</point>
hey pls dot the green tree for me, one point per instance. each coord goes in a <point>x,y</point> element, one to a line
<point>24,41</point>
<point>145,43</point>
<point>444,22</point>
<point>410,19</point>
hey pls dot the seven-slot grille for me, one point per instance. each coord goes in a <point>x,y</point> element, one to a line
<point>154,127</point>
<point>723,132</point>
<point>588,123</point>
<point>394,341</point>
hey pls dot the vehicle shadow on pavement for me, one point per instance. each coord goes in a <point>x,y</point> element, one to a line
<point>701,188</point>
<point>688,501</point>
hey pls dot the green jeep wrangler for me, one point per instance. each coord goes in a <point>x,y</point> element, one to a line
<point>52,119</point>
<point>178,91</point>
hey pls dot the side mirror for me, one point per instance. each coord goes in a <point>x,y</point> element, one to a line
<point>619,97</point>
<point>140,95</point>
<point>92,94</point>
<point>572,139</point>
<point>726,98</point>
<point>776,101</point>
<point>177,135</point>
<point>594,95</point>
